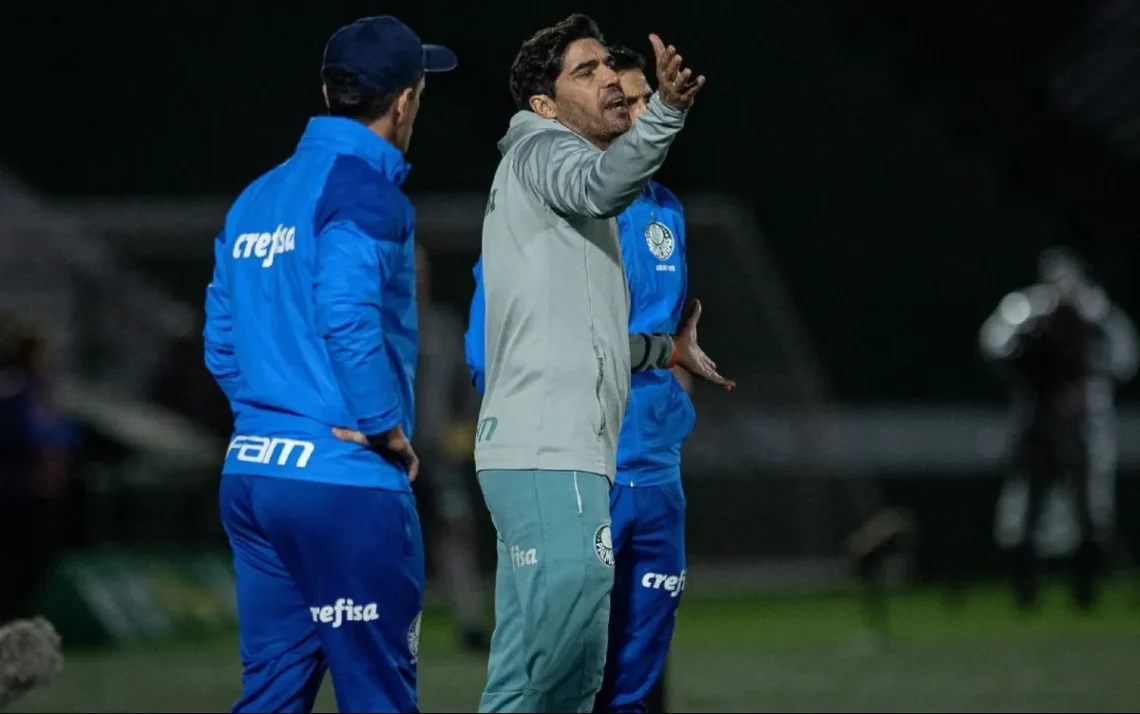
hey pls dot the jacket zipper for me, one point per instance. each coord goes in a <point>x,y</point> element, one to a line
<point>601,361</point>
<point>599,358</point>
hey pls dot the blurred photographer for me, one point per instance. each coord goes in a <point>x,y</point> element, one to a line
<point>1063,348</point>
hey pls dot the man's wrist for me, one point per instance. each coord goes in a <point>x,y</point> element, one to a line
<point>651,351</point>
<point>381,436</point>
<point>667,110</point>
<point>673,357</point>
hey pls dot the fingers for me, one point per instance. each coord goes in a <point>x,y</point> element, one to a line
<point>693,87</point>
<point>407,454</point>
<point>413,465</point>
<point>715,377</point>
<point>667,60</point>
<point>350,435</point>
<point>675,82</point>
<point>695,316</point>
<point>661,53</point>
<point>707,370</point>
<point>711,375</point>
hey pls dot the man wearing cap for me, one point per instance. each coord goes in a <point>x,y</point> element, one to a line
<point>311,333</point>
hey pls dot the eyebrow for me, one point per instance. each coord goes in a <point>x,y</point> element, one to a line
<point>588,64</point>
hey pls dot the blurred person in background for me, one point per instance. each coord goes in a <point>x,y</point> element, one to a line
<point>1063,347</point>
<point>35,453</point>
<point>446,409</point>
<point>647,502</point>
<point>181,384</point>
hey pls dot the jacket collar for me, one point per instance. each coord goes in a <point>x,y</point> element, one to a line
<point>524,123</point>
<point>347,136</point>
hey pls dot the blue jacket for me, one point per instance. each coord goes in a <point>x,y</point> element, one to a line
<point>311,314</point>
<point>659,415</point>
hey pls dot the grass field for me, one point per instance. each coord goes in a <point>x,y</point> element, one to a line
<point>735,655</point>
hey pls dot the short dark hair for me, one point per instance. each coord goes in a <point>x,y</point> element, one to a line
<point>539,61</point>
<point>348,98</point>
<point>626,59</point>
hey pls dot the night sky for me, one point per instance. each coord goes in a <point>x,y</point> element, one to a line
<point>904,160</point>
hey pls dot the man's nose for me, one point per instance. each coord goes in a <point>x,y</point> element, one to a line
<point>609,76</point>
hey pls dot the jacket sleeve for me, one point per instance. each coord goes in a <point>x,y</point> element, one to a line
<point>475,341</point>
<point>357,251</point>
<point>575,179</point>
<point>218,333</point>
<point>648,351</point>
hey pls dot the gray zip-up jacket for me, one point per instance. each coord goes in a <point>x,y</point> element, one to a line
<point>559,352</point>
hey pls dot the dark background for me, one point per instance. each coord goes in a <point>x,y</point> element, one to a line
<point>906,160</point>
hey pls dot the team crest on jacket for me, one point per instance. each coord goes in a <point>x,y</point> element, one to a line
<point>414,636</point>
<point>604,545</point>
<point>660,240</point>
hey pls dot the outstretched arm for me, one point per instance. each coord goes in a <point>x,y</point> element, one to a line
<point>573,178</point>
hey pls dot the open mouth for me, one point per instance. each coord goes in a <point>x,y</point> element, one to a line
<point>614,102</point>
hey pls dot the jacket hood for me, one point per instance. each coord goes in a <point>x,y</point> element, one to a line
<point>523,124</point>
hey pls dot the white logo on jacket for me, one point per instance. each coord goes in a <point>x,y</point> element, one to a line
<point>262,449</point>
<point>414,636</point>
<point>265,245</point>
<point>660,240</point>
<point>345,610</point>
<point>672,584</point>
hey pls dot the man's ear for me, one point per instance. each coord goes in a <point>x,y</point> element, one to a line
<point>544,106</point>
<point>400,106</point>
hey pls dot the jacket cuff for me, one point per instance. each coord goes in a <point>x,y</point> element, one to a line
<point>655,351</point>
<point>380,425</point>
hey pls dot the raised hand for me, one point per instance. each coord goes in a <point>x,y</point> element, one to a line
<point>675,84</point>
<point>692,357</point>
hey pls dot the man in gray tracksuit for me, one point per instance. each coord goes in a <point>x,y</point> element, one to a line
<point>559,355</point>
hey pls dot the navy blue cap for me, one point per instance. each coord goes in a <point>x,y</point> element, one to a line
<point>384,54</point>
